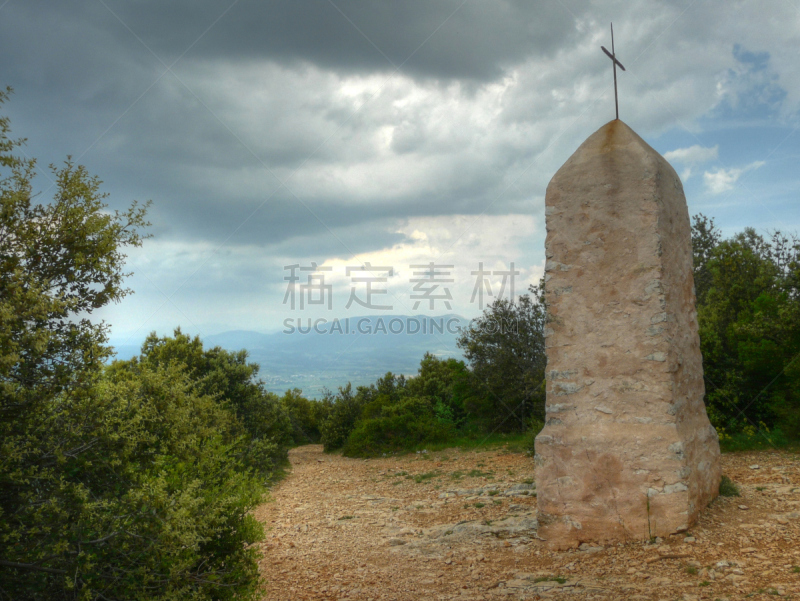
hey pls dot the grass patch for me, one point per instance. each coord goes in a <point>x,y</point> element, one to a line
<point>420,478</point>
<point>479,474</point>
<point>727,488</point>
<point>457,475</point>
<point>497,501</point>
<point>347,517</point>
<point>691,570</point>
<point>753,440</point>
<point>514,442</point>
<point>493,493</point>
<point>795,569</point>
<point>480,505</point>
<point>559,579</point>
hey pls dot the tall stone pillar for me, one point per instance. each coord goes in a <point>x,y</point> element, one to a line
<point>627,452</point>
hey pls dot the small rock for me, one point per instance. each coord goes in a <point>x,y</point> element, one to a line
<point>755,466</point>
<point>394,542</point>
<point>689,539</point>
<point>743,507</point>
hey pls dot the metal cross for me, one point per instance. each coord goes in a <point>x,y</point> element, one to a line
<point>615,62</point>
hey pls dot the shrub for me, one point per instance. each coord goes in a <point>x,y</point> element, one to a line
<point>305,416</point>
<point>345,409</point>
<point>727,488</point>
<point>145,498</point>
<point>226,376</point>
<point>506,354</point>
<point>397,427</point>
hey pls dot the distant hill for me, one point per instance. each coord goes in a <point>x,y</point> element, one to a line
<point>356,349</point>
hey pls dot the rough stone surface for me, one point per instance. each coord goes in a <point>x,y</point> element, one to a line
<point>627,452</point>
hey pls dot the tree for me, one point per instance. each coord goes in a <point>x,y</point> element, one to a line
<point>109,488</point>
<point>705,238</point>
<point>232,381</point>
<point>505,351</point>
<point>749,317</point>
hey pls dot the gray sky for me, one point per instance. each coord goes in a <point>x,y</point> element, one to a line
<point>395,133</point>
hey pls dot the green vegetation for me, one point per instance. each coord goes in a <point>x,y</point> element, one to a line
<point>497,399</point>
<point>749,317</point>
<point>749,320</point>
<point>419,478</point>
<point>479,474</point>
<point>505,386</point>
<point>727,488</point>
<point>559,579</point>
<point>129,481</point>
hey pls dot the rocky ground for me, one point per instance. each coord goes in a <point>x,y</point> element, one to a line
<point>462,525</point>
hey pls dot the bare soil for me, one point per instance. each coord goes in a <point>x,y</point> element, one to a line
<point>462,525</point>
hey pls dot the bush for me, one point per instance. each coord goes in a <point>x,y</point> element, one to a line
<point>345,409</point>
<point>395,427</point>
<point>126,483</point>
<point>260,417</point>
<point>145,497</point>
<point>749,317</point>
<point>506,354</point>
<point>727,488</point>
<point>305,416</point>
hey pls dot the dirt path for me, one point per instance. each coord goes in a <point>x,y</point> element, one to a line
<point>462,525</point>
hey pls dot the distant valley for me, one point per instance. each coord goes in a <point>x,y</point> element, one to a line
<point>357,349</point>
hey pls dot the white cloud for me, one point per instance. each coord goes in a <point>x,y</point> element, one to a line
<point>722,180</point>
<point>693,154</point>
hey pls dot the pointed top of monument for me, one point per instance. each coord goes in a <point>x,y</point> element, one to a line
<point>617,147</point>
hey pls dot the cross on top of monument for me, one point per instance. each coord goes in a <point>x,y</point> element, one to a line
<point>614,62</point>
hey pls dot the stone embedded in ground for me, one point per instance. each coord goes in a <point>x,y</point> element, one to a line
<point>627,452</point>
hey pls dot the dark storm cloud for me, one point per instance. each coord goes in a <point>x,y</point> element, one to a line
<point>440,39</point>
<point>443,39</point>
<point>86,86</point>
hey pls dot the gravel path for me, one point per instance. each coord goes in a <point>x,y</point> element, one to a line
<point>462,525</point>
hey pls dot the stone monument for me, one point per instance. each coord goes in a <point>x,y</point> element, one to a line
<point>627,452</point>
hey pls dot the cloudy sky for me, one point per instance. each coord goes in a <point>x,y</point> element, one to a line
<point>338,133</point>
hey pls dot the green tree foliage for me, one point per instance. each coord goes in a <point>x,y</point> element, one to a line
<point>390,425</point>
<point>705,238</point>
<point>229,378</point>
<point>505,351</point>
<point>749,317</point>
<point>345,410</point>
<point>440,380</point>
<point>111,487</point>
<point>305,416</point>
